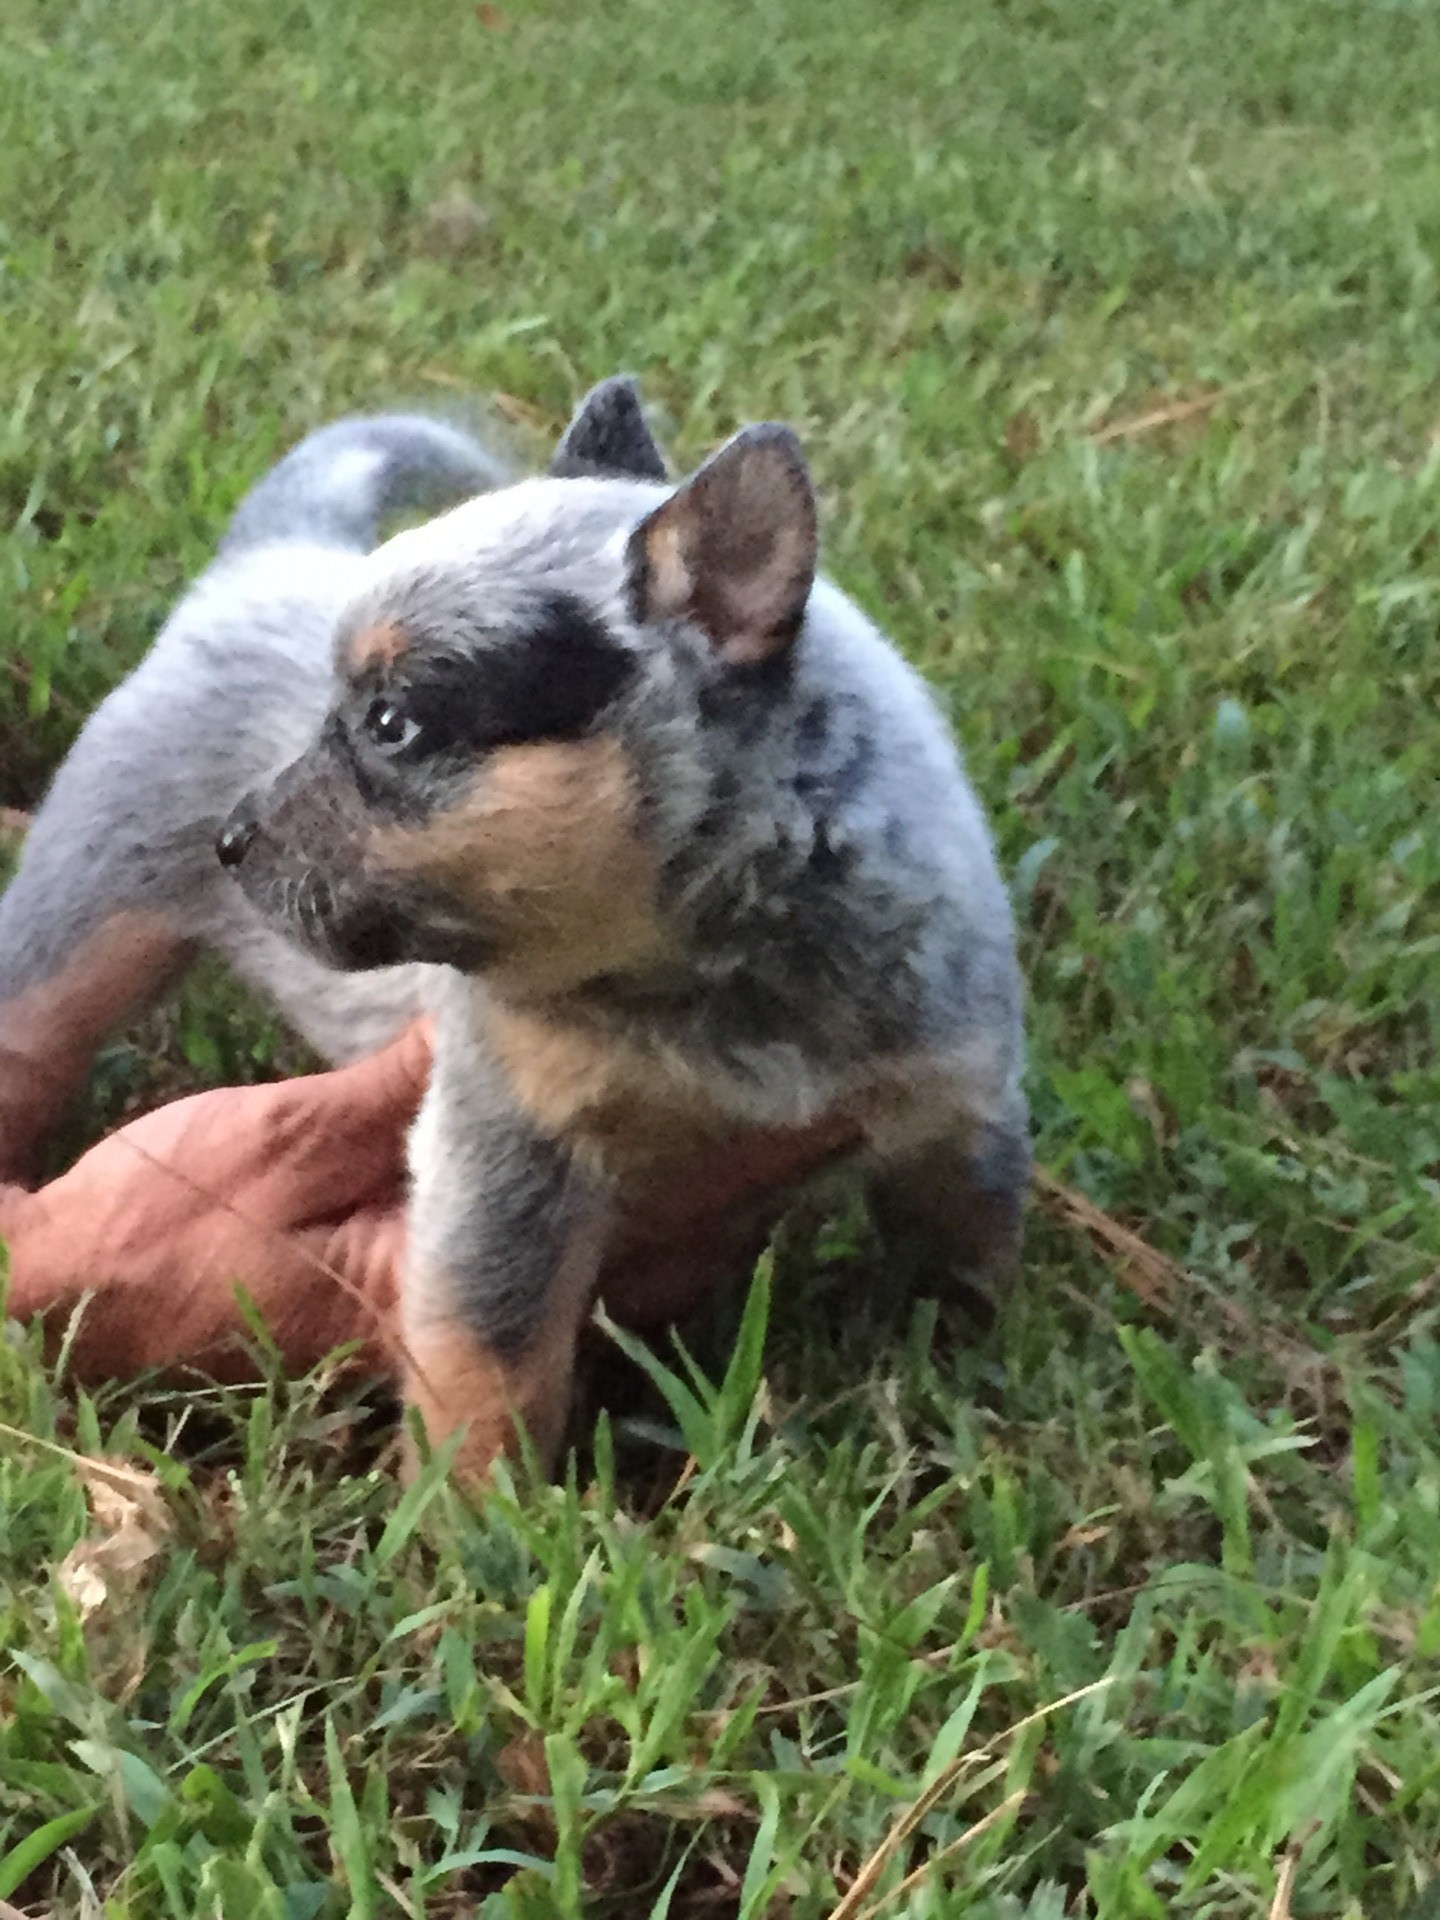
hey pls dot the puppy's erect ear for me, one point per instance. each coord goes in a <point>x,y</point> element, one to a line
<point>734,549</point>
<point>609,437</point>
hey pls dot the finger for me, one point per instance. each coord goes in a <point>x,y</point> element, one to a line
<point>27,1292</point>
<point>130,1316</point>
<point>732,1176</point>
<point>316,1289</point>
<point>386,1088</point>
<point>366,1256</point>
<point>14,1203</point>
<point>275,1156</point>
<point>179,1306</point>
<point>649,1287</point>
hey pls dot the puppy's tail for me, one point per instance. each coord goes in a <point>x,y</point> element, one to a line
<point>338,484</point>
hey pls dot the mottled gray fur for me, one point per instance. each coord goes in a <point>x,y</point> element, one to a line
<point>825,867</point>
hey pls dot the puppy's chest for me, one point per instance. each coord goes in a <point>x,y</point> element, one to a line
<point>619,1107</point>
<point>629,1111</point>
<point>640,1116</point>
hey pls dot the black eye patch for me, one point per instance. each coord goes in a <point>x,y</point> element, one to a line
<point>548,683</point>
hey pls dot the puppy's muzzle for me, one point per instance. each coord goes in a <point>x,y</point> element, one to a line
<point>297,854</point>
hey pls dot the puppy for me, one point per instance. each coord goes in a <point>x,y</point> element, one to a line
<point>675,848</point>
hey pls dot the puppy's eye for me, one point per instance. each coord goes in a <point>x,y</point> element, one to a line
<point>390,727</point>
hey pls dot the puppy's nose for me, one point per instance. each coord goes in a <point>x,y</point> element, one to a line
<point>236,837</point>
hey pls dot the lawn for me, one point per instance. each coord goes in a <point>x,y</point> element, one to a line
<point>1111,329</point>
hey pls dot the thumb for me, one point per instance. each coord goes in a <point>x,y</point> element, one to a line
<point>346,1142</point>
<point>384,1090</point>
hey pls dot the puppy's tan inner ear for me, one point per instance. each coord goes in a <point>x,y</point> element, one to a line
<point>735,548</point>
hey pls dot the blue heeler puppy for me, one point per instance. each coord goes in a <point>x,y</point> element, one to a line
<point>664,833</point>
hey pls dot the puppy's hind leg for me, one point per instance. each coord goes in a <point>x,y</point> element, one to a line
<point>113,889</point>
<point>51,1027</point>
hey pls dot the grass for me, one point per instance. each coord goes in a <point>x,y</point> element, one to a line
<point>1111,332</point>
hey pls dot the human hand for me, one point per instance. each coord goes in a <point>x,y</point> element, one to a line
<point>294,1191</point>
<point>695,1225</point>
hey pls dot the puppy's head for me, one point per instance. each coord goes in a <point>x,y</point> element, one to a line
<point>516,722</point>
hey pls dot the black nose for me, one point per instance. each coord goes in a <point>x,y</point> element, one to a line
<point>236,838</point>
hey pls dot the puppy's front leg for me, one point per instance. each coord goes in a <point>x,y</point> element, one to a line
<point>506,1235</point>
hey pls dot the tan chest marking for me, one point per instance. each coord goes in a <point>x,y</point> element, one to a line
<point>626,1114</point>
<point>637,1117</point>
<point>613,1104</point>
